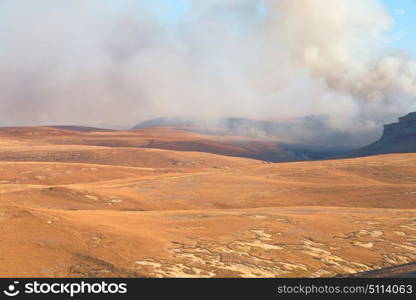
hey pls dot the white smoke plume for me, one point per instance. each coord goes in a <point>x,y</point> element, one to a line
<point>337,42</point>
<point>105,63</point>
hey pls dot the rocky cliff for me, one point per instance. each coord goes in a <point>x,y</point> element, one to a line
<point>398,137</point>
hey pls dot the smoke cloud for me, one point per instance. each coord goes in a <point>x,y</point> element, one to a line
<point>105,63</point>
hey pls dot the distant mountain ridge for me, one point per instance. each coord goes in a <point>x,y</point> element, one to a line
<point>310,137</point>
<point>397,137</point>
<point>313,130</point>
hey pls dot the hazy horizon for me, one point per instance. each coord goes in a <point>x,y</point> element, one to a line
<point>117,63</point>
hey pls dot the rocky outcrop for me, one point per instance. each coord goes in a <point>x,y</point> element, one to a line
<point>405,127</point>
<point>397,138</point>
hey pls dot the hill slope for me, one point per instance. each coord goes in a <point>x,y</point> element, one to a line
<point>69,207</point>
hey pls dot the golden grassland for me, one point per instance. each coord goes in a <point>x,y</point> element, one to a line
<point>171,203</point>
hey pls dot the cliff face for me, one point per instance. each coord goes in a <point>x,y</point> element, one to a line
<point>397,138</point>
<point>405,127</point>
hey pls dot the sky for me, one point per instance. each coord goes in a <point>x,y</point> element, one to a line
<point>401,36</point>
<point>404,13</point>
<point>169,12</point>
<point>119,62</point>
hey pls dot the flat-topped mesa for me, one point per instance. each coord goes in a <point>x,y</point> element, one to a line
<point>406,126</point>
<point>409,117</point>
<point>398,137</point>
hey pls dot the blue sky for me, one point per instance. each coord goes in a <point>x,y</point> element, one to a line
<point>169,11</point>
<point>404,13</point>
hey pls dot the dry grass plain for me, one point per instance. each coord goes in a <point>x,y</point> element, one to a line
<point>83,203</point>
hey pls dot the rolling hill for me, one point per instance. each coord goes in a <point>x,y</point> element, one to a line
<point>82,203</point>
